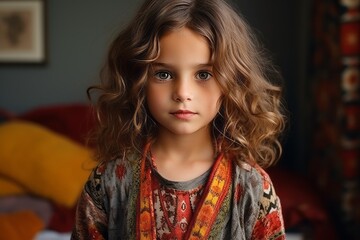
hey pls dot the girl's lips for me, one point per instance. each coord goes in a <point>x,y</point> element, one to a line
<point>183,114</point>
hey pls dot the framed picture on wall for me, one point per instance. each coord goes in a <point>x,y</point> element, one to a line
<point>22,31</point>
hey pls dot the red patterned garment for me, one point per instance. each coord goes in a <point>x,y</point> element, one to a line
<point>174,207</point>
<point>109,207</point>
<point>269,219</point>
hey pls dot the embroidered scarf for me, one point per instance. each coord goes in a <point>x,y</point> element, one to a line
<point>213,204</point>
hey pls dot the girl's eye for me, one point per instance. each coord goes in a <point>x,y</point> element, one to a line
<point>163,75</point>
<point>204,75</point>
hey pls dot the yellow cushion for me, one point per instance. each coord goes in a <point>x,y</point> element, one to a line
<point>9,187</point>
<point>43,162</point>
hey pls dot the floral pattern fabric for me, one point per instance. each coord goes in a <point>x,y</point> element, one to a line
<point>108,206</point>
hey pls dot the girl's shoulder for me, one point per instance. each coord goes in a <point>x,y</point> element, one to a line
<point>255,181</point>
<point>118,170</point>
<point>253,184</point>
<point>251,174</point>
<point>110,174</point>
<point>119,166</point>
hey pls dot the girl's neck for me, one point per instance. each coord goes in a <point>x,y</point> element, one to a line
<point>182,158</point>
<point>184,147</point>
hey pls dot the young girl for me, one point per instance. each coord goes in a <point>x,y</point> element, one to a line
<point>187,121</point>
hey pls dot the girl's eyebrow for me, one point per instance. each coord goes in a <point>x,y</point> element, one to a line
<point>167,65</point>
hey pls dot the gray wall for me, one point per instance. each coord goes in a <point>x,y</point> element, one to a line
<point>78,34</point>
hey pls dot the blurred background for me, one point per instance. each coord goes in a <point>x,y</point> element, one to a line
<point>315,43</point>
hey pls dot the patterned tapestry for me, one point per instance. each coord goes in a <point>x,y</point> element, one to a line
<point>335,84</point>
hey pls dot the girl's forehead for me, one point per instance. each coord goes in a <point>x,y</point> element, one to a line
<point>184,46</point>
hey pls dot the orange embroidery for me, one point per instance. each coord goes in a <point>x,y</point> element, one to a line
<point>218,187</point>
<point>207,210</point>
<point>145,222</point>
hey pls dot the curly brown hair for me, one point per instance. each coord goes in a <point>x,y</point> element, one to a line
<point>250,119</point>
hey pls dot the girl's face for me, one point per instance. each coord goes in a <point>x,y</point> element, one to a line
<point>182,94</point>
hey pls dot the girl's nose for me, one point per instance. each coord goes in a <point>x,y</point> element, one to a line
<point>183,90</point>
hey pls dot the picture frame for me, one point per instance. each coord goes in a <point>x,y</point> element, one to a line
<point>22,32</point>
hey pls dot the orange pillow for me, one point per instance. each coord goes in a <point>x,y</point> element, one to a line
<point>20,225</point>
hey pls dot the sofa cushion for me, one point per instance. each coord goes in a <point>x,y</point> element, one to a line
<point>43,162</point>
